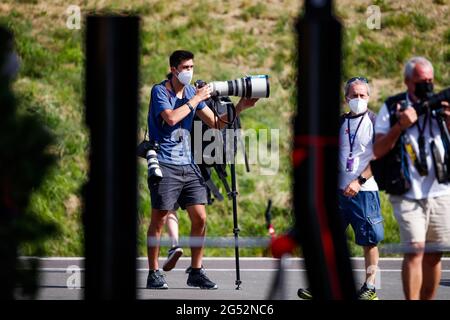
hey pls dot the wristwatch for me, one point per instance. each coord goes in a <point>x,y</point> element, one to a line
<point>361,180</point>
<point>190,106</point>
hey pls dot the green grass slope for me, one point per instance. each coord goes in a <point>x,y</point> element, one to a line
<point>230,39</point>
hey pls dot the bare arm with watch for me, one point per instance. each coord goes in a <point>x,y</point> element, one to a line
<point>173,116</point>
<point>353,188</point>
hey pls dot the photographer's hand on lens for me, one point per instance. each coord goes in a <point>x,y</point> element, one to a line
<point>245,103</point>
<point>406,118</point>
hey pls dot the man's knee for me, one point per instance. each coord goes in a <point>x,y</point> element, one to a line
<point>199,221</point>
<point>370,248</point>
<point>157,221</point>
<point>432,259</point>
<point>414,254</point>
<point>197,215</point>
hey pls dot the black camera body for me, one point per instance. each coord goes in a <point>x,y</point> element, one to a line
<point>432,102</point>
<point>145,146</point>
<point>148,149</point>
<point>200,84</point>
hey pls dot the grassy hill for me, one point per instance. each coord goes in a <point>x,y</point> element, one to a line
<point>230,39</point>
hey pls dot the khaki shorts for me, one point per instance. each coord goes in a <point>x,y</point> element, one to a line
<point>426,220</point>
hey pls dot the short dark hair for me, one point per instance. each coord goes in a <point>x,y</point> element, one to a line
<point>178,56</point>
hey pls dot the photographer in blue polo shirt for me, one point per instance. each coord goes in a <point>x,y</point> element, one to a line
<point>174,102</point>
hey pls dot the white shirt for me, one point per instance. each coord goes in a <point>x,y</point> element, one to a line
<point>362,151</point>
<point>421,186</point>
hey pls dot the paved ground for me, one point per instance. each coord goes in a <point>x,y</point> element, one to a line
<point>57,279</point>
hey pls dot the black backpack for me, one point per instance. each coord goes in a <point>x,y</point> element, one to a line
<point>391,172</point>
<point>205,166</point>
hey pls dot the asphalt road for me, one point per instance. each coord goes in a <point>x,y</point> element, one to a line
<point>62,278</point>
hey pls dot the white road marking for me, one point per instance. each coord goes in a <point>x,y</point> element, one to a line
<point>214,258</point>
<point>63,270</point>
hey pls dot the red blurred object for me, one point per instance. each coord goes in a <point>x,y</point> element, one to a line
<point>282,245</point>
<point>271,231</point>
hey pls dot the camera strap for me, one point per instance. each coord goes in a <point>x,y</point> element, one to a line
<point>421,163</point>
<point>441,162</point>
<point>216,102</point>
<point>431,126</point>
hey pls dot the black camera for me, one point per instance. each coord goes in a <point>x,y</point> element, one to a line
<point>148,150</point>
<point>200,84</point>
<point>432,102</point>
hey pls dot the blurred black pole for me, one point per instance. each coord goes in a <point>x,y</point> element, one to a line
<point>112,57</point>
<point>315,155</point>
<point>8,211</point>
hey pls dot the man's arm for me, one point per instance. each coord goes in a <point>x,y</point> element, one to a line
<point>354,186</point>
<point>173,116</point>
<point>385,142</point>
<point>209,117</point>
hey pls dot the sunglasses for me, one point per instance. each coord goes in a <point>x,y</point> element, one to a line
<point>357,78</point>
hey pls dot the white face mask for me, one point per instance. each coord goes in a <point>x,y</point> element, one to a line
<point>185,77</point>
<point>358,105</point>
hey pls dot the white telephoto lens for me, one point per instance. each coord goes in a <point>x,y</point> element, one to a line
<point>259,86</point>
<point>151,152</point>
<point>256,86</point>
<point>219,88</point>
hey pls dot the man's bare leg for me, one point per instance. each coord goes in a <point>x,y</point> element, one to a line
<point>172,227</point>
<point>431,268</point>
<point>412,272</point>
<point>371,257</point>
<point>197,214</point>
<point>154,232</point>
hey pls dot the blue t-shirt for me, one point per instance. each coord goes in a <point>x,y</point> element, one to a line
<point>174,141</point>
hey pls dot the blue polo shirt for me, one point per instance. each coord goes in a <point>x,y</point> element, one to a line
<point>175,145</point>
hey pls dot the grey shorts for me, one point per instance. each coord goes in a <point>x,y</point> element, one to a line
<point>181,186</point>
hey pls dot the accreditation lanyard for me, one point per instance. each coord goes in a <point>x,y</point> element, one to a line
<point>350,159</point>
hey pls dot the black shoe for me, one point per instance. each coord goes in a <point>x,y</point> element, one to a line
<point>305,294</point>
<point>366,293</point>
<point>174,254</point>
<point>200,280</point>
<point>188,269</point>
<point>155,280</point>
